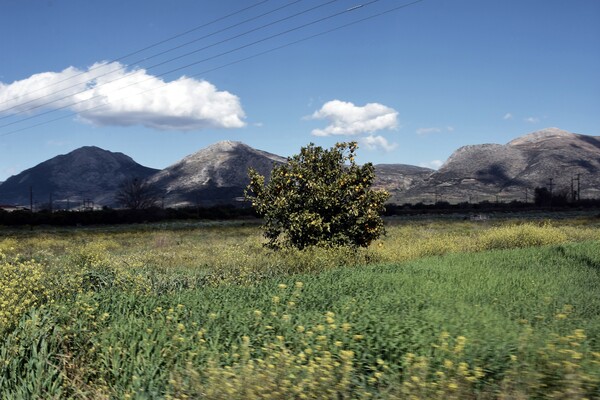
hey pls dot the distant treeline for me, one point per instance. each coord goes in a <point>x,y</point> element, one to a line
<point>108,216</point>
<point>443,207</point>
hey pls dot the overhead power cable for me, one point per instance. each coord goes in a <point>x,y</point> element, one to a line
<point>145,48</point>
<point>124,67</point>
<point>155,65</point>
<point>179,57</point>
<point>372,16</point>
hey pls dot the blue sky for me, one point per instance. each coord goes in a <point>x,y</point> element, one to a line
<point>411,86</point>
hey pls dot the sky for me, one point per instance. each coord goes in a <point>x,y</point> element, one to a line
<point>410,81</point>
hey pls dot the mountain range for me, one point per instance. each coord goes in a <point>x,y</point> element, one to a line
<point>552,158</point>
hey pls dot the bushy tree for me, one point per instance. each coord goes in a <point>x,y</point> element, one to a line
<point>319,197</point>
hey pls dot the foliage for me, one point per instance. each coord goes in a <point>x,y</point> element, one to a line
<point>319,197</point>
<point>518,323</point>
<point>446,309</point>
<point>28,283</point>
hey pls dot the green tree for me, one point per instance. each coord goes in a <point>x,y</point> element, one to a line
<point>319,197</point>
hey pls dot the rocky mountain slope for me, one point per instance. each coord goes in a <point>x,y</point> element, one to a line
<point>217,174</point>
<point>398,178</point>
<point>88,173</point>
<point>550,157</point>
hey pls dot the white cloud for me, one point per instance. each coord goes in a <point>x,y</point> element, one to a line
<point>347,119</point>
<point>124,98</point>
<point>507,116</point>
<point>434,164</point>
<point>427,131</point>
<point>532,120</point>
<point>377,142</point>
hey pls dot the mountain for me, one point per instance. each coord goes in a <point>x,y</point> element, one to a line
<point>88,173</point>
<point>217,174</point>
<point>549,157</point>
<point>398,178</point>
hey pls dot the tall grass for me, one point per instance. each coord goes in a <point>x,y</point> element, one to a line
<point>458,310</point>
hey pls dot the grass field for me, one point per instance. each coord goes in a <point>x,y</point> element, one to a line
<point>447,309</point>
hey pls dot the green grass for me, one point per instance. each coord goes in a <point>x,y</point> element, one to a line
<point>525,323</point>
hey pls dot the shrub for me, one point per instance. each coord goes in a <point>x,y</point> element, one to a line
<point>524,235</point>
<point>25,284</point>
<point>320,197</point>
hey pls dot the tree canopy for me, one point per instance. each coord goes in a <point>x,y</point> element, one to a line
<point>319,197</point>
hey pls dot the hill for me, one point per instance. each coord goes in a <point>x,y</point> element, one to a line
<point>88,174</point>
<point>217,174</point>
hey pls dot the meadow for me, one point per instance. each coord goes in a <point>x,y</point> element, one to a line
<point>497,309</point>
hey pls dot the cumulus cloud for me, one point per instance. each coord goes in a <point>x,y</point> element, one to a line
<point>110,94</point>
<point>532,120</point>
<point>507,116</point>
<point>345,118</point>
<point>377,143</point>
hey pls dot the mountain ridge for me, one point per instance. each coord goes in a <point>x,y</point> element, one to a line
<point>88,173</point>
<point>217,174</point>
<point>213,175</point>
<point>548,157</point>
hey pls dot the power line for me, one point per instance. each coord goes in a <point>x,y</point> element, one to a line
<point>146,48</point>
<point>185,66</point>
<point>123,68</point>
<point>372,16</point>
<point>163,63</point>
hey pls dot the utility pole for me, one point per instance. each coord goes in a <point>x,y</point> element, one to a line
<point>575,196</point>
<point>551,191</point>
<point>31,207</point>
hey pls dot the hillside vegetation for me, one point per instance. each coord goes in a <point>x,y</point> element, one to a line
<point>433,310</point>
